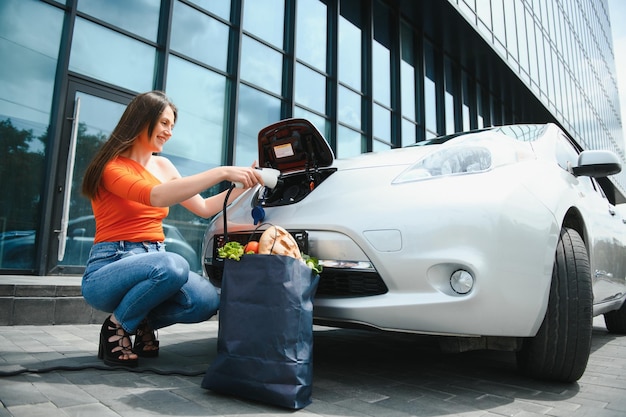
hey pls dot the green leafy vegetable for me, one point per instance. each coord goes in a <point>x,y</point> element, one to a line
<point>312,263</point>
<point>231,250</point>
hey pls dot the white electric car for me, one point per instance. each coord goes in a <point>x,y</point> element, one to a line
<point>502,238</point>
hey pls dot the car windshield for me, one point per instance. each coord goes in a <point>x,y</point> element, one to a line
<point>523,133</point>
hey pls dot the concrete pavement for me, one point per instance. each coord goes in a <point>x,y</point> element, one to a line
<point>356,373</point>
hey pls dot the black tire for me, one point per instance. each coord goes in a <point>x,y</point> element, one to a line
<point>615,321</point>
<point>561,348</point>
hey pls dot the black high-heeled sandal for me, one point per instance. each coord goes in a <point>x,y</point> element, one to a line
<point>115,344</point>
<point>145,337</point>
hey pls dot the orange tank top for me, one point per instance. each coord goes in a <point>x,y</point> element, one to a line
<point>122,208</point>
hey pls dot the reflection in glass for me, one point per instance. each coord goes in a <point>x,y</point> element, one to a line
<point>198,138</point>
<point>221,8</point>
<point>311,33</point>
<point>381,73</point>
<point>483,11</point>
<point>499,30</point>
<point>109,56</point>
<point>310,88</point>
<point>381,55</point>
<point>349,143</point>
<point>407,90</point>
<point>407,73</point>
<point>430,94</point>
<point>382,123</point>
<point>408,133</point>
<point>466,112</point>
<point>480,107</point>
<point>138,16</point>
<point>319,122</point>
<point>261,65</point>
<point>511,32</point>
<point>378,146</point>
<point>199,36</point>
<point>349,53</point>
<point>449,97</point>
<point>265,19</point>
<point>98,118</point>
<point>256,110</point>
<point>532,53</point>
<point>349,107</point>
<point>29,40</point>
<point>521,38</point>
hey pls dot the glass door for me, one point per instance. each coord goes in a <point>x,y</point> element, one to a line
<point>91,113</point>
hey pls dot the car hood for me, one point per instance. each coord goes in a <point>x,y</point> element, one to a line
<point>504,149</point>
<point>293,145</point>
<point>395,157</point>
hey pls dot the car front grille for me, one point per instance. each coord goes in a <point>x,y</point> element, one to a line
<point>346,283</point>
<point>333,282</point>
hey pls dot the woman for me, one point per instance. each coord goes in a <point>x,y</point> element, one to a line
<point>129,273</point>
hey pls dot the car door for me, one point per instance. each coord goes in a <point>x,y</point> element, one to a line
<point>606,243</point>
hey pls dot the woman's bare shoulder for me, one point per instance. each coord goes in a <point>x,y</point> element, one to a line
<point>163,168</point>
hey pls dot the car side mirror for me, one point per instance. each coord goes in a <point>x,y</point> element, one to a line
<point>597,163</point>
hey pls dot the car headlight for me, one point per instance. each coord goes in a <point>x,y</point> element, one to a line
<point>448,161</point>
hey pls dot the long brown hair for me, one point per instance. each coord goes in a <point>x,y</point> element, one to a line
<point>144,110</point>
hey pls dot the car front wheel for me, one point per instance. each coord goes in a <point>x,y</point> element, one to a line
<point>561,348</point>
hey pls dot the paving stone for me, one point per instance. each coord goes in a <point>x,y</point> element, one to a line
<point>36,410</point>
<point>355,374</point>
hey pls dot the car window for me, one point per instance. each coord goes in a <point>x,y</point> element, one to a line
<point>566,154</point>
<point>598,188</point>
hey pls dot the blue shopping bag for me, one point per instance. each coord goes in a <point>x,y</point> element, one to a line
<point>265,336</point>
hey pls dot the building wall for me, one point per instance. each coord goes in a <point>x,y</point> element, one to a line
<point>370,74</point>
<point>563,52</point>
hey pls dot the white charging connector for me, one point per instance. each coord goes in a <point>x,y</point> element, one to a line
<point>269,176</point>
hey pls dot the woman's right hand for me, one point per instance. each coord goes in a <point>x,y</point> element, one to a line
<point>245,176</point>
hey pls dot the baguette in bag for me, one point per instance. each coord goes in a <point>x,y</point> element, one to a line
<point>277,241</point>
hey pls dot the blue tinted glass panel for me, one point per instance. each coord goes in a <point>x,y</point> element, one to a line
<point>382,123</point>
<point>408,133</point>
<point>256,110</point>
<point>407,73</point>
<point>311,33</point>
<point>109,56</point>
<point>349,53</point>
<point>349,107</point>
<point>310,88</point>
<point>430,96</point>
<point>199,36</point>
<point>220,7</point>
<point>261,65</point>
<point>349,142</point>
<point>30,34</point>
<point>319,122</point>
<point>138,16</point>
<point>381,73</point>
<point>378,146</point>
<point>449,97</point>
<point>198,138</point>
<point>407,90</point>
<point>265,19</point>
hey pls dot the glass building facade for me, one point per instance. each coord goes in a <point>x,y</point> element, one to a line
<point>370,74</point>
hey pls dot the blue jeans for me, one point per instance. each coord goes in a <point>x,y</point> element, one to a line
<point>137,280</point>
